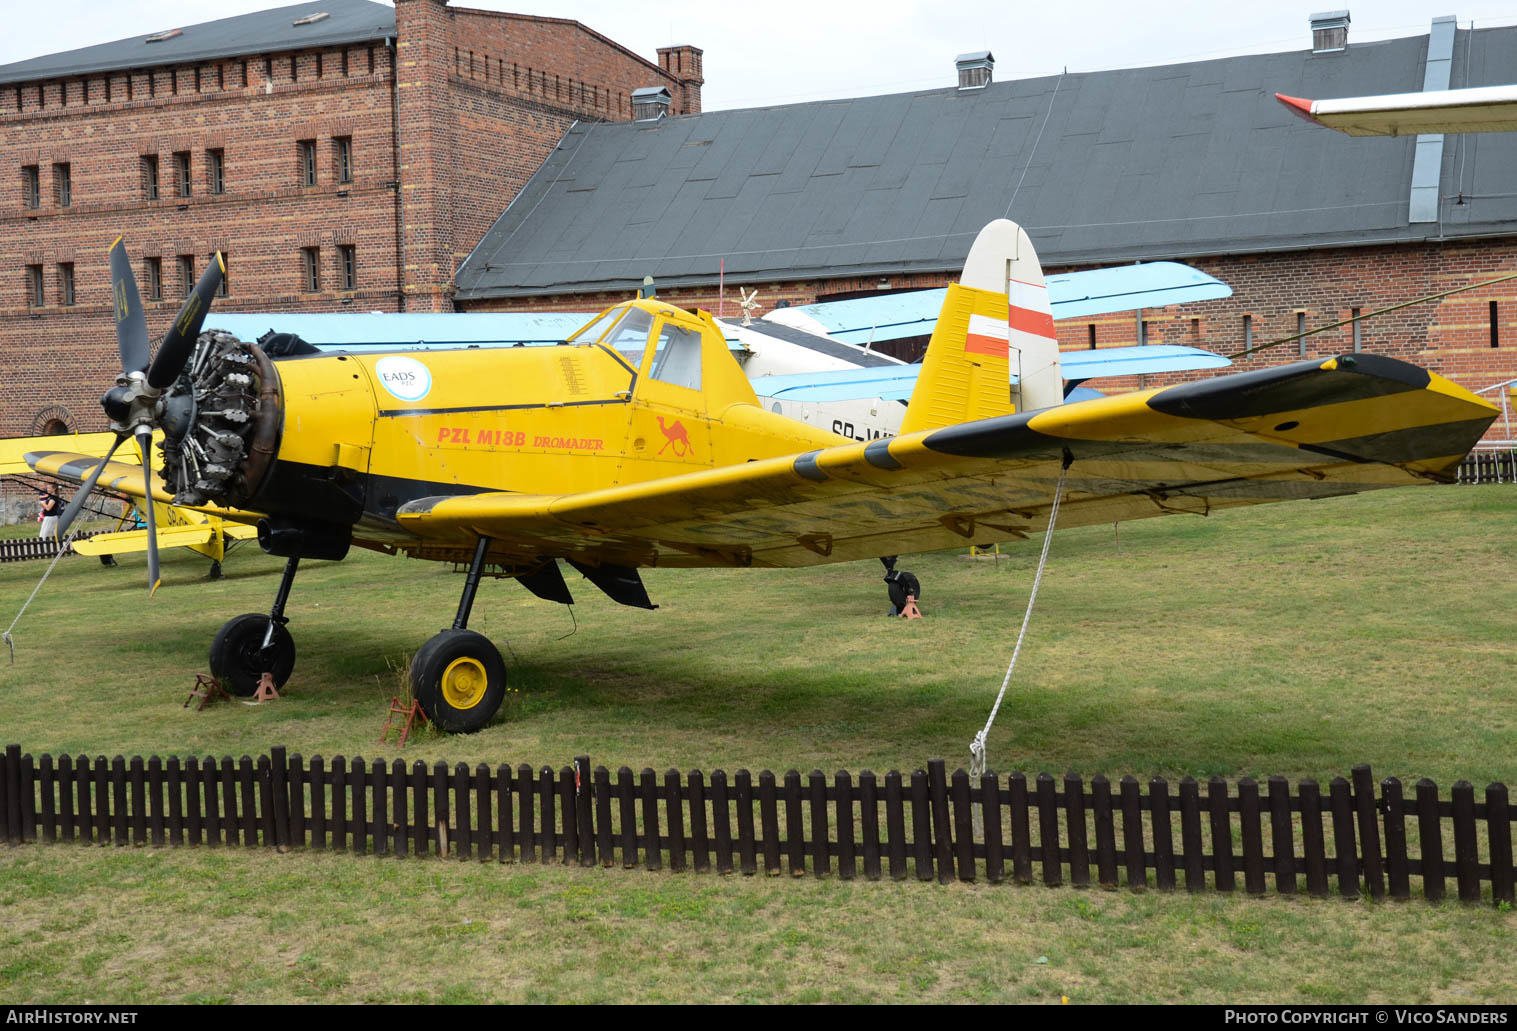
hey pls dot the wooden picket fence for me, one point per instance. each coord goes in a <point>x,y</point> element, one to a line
<point>22,549</point>
<point>1489,465</point>
<point>921,825</point>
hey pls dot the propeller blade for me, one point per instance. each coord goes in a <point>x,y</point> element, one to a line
<point>145,444</point>
<point>131,325</point>
<point>180,339</point>
<point>82,494</point>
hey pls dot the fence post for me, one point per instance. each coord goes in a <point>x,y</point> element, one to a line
<point>843,788</point>
<point>1282,841</point>
<point>747,841</point>
<point>895,825</point>
<point>1048,831</point>
<point>120,811</point>
<point>279,761</point>
<point>675,816</point>
<point>653,851</point>
<point>769,822</point>
<point>567,803</point>
<point>721,820</point>
<point>990,807</point>
<point>1430,840</point>
<point>603,841</point>
<point>1106,831</point>
<point>1344,849</point>
<point>503,810</point>
<point>1074,831</point>
<point>921,826</point>
<point>1369,831</point>
<point>1132,833</point>
<point>795,833</point>
<point>626,798</point>
<point>1394,814</point>
<point>869,823</point>
<point>1221,834</point>
<point>700,840</point>
<point>526,824</point>
<point>1021,834</point>
<point>1253,836</point>
<point>1164,834</point>
<point>1312,843</point>
<point>1466,855</point>
<point>963,825</point>
<point>942,832</point>
<point>583,799</point>
<point>1499,831</point>
<point>1190,834</point>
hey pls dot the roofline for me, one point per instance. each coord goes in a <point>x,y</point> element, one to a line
<point>96,68</point>
<point>563,21</point>
<point>867,271</point>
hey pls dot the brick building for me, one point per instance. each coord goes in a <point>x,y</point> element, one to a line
<point>342,154</point>
<point>1192,162</point>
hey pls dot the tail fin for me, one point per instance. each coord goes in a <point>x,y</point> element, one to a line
<point>995,327</point>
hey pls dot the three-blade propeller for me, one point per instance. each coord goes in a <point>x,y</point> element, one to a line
<point>132,404</point>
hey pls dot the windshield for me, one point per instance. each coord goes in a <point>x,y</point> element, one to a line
<point>630,336</point>
<point>591,333</point>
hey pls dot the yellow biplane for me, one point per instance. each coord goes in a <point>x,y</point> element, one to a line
<point>199,530</point>
<point>639,443</point>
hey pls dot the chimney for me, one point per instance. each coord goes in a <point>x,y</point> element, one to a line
<point>650,103</point>
<point>974,69</point>
<point>1329,32</point>
<point>683,65</point>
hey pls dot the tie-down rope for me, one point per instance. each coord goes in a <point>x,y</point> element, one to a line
<point>977,747</point>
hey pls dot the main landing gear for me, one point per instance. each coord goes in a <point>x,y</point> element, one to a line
<point>458,676</point>
<point>248,646</point>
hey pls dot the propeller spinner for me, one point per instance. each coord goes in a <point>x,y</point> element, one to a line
<point>134,405</point>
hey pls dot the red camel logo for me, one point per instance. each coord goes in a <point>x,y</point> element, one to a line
<point>677,437</point>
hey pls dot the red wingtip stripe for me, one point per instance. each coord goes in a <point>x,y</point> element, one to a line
<point>1297,105</point>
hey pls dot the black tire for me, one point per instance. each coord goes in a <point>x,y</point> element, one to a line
<point>460,680</point>
<point>237,654</point>
<point>900,584</point>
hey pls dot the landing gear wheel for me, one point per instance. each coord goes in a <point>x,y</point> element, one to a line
<point>900,584</point>
<point>459,679</point>
<point>239,660</point>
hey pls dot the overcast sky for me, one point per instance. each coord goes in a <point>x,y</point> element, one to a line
<point>785,51</point>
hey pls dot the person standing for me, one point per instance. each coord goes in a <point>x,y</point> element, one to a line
<point>50,510</point>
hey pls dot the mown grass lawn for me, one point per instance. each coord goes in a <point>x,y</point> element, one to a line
<point>1294,639</point>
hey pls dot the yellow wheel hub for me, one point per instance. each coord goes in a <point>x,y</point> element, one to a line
<point>464,683</point>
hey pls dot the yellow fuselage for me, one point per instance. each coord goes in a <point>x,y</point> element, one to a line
<point>363,434</point>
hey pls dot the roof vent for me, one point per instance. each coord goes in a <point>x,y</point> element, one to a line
<point>650,103</point>
<point>160,37</point>
<point>1329,32</point>
<point>974,69</point>
<point>311,19</point>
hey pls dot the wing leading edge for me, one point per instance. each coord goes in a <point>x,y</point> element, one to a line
<point>1311,429</point>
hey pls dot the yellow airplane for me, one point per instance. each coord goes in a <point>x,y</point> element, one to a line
<point>640,443</point>
<point>201,531</point>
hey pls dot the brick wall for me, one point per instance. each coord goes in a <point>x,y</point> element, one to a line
<point>468,142</point>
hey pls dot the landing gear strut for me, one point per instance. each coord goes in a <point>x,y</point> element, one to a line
<point>458,676</point>
<point>250,645</point>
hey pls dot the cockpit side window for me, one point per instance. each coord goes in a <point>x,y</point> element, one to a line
<point>677,356</point>
<point>630,337</point>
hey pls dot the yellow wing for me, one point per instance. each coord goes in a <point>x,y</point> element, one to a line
<point>168,537</point>
<point>119,478</point>
<point>13,450</point>
<point>1307,430</point>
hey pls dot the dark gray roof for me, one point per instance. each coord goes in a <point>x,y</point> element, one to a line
<point>349,21</point>
<point>1169,162</point>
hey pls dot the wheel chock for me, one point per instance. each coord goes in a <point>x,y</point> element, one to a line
<point>207,688</point>
<point>265,692</point>
<point>910,610</point>
<point>412,713</point>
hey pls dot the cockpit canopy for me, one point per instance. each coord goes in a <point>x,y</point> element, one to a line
<point>660,342</point>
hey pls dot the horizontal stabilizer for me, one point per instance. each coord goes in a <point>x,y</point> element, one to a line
<point>128,541</point>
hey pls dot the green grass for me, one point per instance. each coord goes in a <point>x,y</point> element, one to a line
<point>1294,639</point>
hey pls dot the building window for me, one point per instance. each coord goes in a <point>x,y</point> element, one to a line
<point>342,149</point>
<point>150,176</point>
<point>307,152</point>
<point>1248,332</point>
<point>1301,334</point>
<point>215,170</point>
<point>153,272</point>
<point>181,173</point>
<point>186,274</point>
<point>1092,328</point>
<point>1495,334</point>
<point>63,184</point>
<point>1358,337</point>
<point>310,269</point>
<point>226,276</point>
<point>349,267</point>
<point>66,283</point>
<point>31,187</point>
<point>34,295</point>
